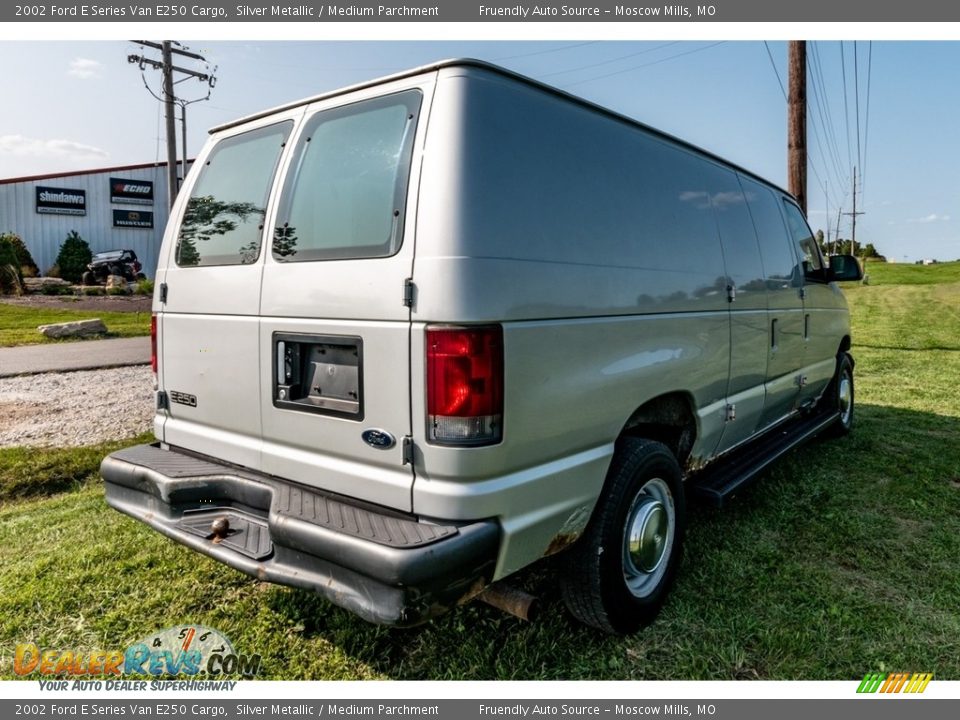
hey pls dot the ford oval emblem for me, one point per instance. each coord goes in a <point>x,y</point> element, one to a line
<point>379,439</point>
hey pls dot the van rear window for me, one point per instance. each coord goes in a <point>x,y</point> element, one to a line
<point>345,196</point>
<point>223,221</point>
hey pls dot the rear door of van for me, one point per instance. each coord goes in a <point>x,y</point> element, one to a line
<point>334,332</point>
<point>208,324</point>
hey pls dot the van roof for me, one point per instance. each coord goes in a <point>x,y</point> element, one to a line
<point>482,64</point>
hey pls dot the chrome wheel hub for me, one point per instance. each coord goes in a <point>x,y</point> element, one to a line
<point>845,398</point>
<point>648,537</point>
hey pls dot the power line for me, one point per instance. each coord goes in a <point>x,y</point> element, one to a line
<point>649,64</point>
<point>846,111</point>
<point>544,52</point>
<point>613,60</point>
<point>831,164</point>
<point>831,127</point>
<point>775,71</point>
<point>856,95</point>
<point>866,129</point>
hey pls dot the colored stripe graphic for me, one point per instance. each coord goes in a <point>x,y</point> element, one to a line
<point>894,683</point>
<point>871,681</point>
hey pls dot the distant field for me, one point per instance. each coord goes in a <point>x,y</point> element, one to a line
<point>902,274</point>
<point>843,559</point>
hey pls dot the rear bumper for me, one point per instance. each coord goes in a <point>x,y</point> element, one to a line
<point>386,567</point>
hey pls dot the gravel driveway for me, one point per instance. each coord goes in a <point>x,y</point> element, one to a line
<point>76,408</point>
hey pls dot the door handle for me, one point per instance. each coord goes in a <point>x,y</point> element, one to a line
<point>774,333</point>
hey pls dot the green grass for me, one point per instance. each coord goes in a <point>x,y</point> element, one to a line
<point>902,274</point>
<point>18,325</point>
<point>31,471</point>
<point>843,559</point>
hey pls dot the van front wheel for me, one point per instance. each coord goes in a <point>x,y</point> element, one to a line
<point>624,564</point>
<point>839,395</point>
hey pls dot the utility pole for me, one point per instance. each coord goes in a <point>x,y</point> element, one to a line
<point>836,237</point>
<point>167,71</point>
<point>826,214</point>
<point>853,229</point>
<point>168,98</point>
<point>797,123</point>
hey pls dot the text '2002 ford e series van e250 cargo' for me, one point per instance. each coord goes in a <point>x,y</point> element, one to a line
<point>416,334</point>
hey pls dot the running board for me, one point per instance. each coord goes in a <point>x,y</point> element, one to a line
<point>719,481</point>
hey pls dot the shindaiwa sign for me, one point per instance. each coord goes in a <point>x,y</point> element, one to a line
<point>61,201</point>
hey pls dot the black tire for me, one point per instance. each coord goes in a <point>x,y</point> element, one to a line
<point>839,397</point>
<point>606,585</point>
<point>88,278</point>
<point>141,276</point>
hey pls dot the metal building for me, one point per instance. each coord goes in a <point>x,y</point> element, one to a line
<point>111,208</point>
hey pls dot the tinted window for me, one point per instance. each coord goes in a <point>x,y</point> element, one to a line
<point>741,254</point>
<point>779,262</point>
<point>346,196</point>
<point>223,221</point>
<point>802,236</point>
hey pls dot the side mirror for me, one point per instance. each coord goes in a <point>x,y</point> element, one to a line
<point>844,268</point>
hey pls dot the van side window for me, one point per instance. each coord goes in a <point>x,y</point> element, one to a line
<point>779,261</point>
<point>741,253</point>
<point>800,231</point>
<point>223,221</point>
<point>346,194</point>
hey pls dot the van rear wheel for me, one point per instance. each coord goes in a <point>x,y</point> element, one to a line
<point>621,569</point>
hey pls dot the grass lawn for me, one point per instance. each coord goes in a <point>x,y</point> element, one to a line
<point>18,325</point>
<point>843,559</point>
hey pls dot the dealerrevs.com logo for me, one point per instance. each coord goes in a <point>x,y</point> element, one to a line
<point>894,683</point>
<point>179,651</point>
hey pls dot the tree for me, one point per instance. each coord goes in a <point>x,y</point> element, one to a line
<point>24,259</point>
<point>205,217</point>
<point>73,258</point>
<point>10,277</point>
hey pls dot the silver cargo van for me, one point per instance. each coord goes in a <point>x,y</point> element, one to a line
<point>413,335</point>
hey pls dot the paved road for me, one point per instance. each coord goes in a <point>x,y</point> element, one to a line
<point>80,355</point>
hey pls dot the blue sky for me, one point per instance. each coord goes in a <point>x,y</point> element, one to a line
<point>81,105</point>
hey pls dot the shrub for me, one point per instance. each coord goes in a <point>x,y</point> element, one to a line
<point>28,268</point>
<point>56,290</point>
<point>119,290</point>
<point>144,287</point>
<point>93,290</point>
<point>74,257</point>
<point>11,281</point>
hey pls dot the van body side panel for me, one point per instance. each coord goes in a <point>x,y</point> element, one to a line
<point>595,245</point>
<point>578,214</point>
<point>570,386</point>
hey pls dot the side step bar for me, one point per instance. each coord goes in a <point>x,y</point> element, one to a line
<point>718,482</point>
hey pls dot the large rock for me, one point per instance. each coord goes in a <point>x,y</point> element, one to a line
<point>38,283</point>
<point>116,281</point>
<point>78,328</point>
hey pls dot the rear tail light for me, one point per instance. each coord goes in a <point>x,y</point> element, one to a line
<point>153,343</point>
<point>465,385</point>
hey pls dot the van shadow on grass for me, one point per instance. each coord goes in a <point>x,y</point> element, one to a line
<point>843,558</point>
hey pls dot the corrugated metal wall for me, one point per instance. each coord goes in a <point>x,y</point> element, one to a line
<point>44,233</point>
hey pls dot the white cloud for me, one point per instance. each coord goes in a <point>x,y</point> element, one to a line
<point>932,217</point>
<point>20,146</point>
<point>84,68</point>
